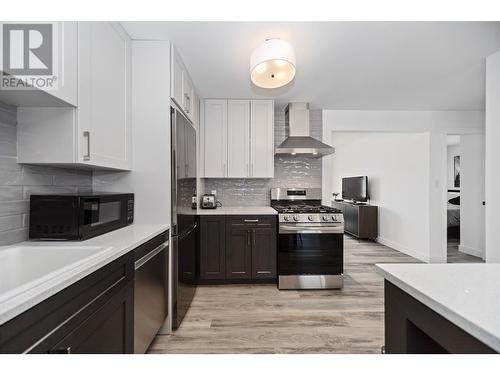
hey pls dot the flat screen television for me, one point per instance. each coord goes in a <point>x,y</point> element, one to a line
<point>355,188</point>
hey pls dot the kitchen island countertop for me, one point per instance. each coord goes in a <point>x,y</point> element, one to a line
<point>468,295</point>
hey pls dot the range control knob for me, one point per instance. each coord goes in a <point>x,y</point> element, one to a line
<point>310,218</point>
<point>295,217</point>
<point>334,218</point>
<point>325,218</point>
<point>286,218</point>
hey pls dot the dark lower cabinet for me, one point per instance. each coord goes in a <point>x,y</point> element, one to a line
<point>105,331</point>
<point>360,220</point>
<point>238,252</point>
<point>93,315</point>
<point>212,257</point>
<point>264,253</point>
<point>414,328</point>
<point>237,248</point>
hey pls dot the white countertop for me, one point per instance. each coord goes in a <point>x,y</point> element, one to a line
<point>237,211</point>
<point>468,295</point>
<point>32,271</point>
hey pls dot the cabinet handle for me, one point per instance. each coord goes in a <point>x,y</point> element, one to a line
<point>248,237</point>
<point>187,102</point>
<point>253,236</point>
<point>87,135</point>
<point>61,350</point>
<point>264,272</point>
<point>251,220</point>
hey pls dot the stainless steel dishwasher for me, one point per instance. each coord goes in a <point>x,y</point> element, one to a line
<point>150,292</point>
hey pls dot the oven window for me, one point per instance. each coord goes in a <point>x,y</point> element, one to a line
<point>310,254</point>
<point>97,213</point>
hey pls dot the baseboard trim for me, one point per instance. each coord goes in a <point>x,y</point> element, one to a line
<point>404,249</point>
<point>471,251</point>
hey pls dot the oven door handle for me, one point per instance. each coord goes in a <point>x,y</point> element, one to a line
<point>285,229</point>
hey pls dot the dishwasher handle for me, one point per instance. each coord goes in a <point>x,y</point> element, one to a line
<point>140,262</point>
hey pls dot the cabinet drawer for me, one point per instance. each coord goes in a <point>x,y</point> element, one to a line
<point>38,329</point>
<point>257,221</point>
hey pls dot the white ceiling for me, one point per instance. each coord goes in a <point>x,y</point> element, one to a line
<point>341,65</point>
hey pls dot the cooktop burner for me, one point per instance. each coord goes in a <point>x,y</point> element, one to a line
<point>303,209</point>
<point>299,201</point>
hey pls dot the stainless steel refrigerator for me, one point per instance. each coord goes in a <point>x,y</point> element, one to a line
<point>184,223</point>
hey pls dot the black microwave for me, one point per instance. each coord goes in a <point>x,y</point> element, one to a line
<point>78,216</point>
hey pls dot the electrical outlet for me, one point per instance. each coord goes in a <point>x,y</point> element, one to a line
<point>214,192</point>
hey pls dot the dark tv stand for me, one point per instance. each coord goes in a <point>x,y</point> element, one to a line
<point>360,220</point>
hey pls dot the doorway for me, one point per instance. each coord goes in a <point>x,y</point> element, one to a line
<point>465,196</point>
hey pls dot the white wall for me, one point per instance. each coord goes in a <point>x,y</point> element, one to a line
<point>451,152</point>
<point>493,158</point>
<point>472,215</point>
<point>394,164</point>
<point>436,124</point>
<point>150,175</point>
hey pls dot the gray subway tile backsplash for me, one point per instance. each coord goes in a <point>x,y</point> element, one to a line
<point>11,193</point>
<point>10,222</point>
<point>289,171</point>
<point>9,164</point>
<point>18,182</point>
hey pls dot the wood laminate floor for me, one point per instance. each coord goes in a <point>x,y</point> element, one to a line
<point>262,319</point>
<point>455,256</point>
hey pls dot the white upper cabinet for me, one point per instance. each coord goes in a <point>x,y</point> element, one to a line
<point>238,135</point>
<point>182,89</point>
<point>177,72</point>
<point>237,138</point>
<point>262,138</point>
<point>97,132</point>
<point>66,74</point>
<point>104,95</point>
<point>214,138</point>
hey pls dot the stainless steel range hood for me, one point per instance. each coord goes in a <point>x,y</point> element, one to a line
<point>298,140</point>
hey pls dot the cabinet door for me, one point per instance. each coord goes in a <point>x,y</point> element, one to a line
<point>262,139</point>
<point>181,154</point>
<point>196,111</point>
<point>190,151</point>
<point>108,331</point>
<point>104,131</point>
<point>214,130</point>
<point>351,219</point>
<point>263,253</point>
<point>176,76</point>
<point>68,59</point>
<point>188,96</point>
<point>238,252</point>
<point>238,138</point>
<point>212,248</point>
<point>64,73</point>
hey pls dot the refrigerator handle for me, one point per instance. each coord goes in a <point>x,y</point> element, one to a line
<point>173,161</point>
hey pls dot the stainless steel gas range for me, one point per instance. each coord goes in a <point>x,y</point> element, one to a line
<point>310,240</point>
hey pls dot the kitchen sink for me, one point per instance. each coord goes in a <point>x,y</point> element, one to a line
<point>22,267</point>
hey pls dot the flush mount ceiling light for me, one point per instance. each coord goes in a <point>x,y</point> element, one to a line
<point>272,64</point>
